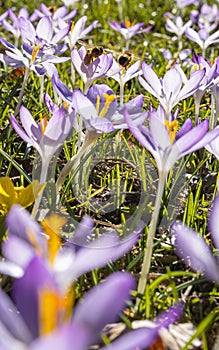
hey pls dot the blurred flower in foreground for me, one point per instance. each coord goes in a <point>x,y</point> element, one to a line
<point>42,317</point>
<point>129,29</point>
<point>194,250</point>
<point>79,254</point>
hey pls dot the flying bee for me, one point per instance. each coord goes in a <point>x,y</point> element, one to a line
<point>125,59</point>
<point>92,54</point>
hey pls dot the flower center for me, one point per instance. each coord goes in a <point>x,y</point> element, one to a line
<point>198,66</point>
<point>172,128</point>
<point>108,100</point>
<point>35,51</point>
<point>128,23</point>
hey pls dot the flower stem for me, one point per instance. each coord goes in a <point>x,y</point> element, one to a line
<point>43,176</point>
<point>150,239</point>
<point>26,76</point>
<point>89,139</point>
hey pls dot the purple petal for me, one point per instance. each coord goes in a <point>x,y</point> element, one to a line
<point>61,89</point>
<point>101,251</point>
<point>152,80</point>
<point>26,292</point>
<point>103,303</point>
<point>44,29</point>
<point>63,338</point>
<point>12,320</point>
<point>137,339</point>
<point>194,250</point>
<point>213,221</point>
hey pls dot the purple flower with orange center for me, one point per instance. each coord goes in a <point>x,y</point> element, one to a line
<point>128,29</point>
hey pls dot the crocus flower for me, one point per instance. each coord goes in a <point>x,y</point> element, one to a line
<point>99,108</point>
<point>56,14</point>
<point>78,255</point>
<point>77,30</point>
<point>98,68</point>
<point>183,3</point>
<point>166,142</point>
<point>13,25</point>
<point>43,37</point>
<point>46,136</point>
<point>123,75</point>
<point>202,38</point>
<point>208,81</point>
<point>194,250</point>
<point>129,29</point>
<point>10,195</point>
<point>42,316</point>
<point>177,27</point>
<point>169,90</point>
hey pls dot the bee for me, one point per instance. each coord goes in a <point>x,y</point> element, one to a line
<point>52,9</point>
<point>92,54</point>
<point>125,59</point>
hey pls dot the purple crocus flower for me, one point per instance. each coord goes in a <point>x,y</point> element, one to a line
<point>77,30</point>
<point>32,58</point>
<point>93,71</point>
<point>128,29</point>
<point>99,108</point>
<point>79,254</point>
<point>166,143</point>
<point>54,13</point>
<point>202,38</point>
<point>42,316</point>
<point>169,90</point>
<point>13,25</point>
<point>193,248</point>
<point>208,81</point>
<point>43,36</point>
<point>183,3</point>
<point>46,136</point>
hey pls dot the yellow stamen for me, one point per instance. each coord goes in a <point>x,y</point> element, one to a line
<point>98,104</point>
<point>109,99</point>
<point>198,66</point>
<point>65,104</point>
<point>72,27</point>
<point>54,309</point>
<point>172,128</point>
<point>35,51</point>
<point>43,123</point>
<point>129,24</point>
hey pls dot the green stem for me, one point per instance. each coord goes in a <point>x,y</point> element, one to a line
<point>89,139</point>
<point>43,176</point>
<point>26,76</point>
<point>152,230</point>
